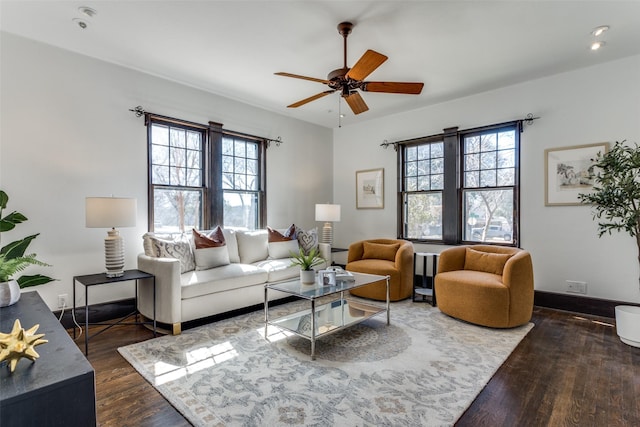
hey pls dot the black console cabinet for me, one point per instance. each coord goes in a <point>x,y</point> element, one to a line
<point>58,389</point>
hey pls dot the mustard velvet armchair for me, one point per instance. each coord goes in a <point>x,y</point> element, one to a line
<point>486,285</point>
<point>384,257</point>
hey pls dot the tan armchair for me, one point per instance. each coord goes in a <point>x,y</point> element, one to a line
<point>486,285</point>
<point>385,257</point>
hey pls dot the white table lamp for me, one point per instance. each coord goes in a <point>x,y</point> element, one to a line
<point>328,214</point>
<point>112,212</point>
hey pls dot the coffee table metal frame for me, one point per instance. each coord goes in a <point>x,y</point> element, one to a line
<point>339,310</point>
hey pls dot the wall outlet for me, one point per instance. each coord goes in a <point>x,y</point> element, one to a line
<point>62,300</point>
<point>576,287</point>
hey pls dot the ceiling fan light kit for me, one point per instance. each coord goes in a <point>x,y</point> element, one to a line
<point>349,81</point>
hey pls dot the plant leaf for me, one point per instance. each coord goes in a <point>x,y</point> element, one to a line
<point>9,222</point>
<point>3,200</point>
<point>17,249</point>
<point>33,280</point>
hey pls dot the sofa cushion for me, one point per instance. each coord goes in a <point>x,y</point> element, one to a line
<point>381,267</point>
<point>179,248</point>
<point>380,251</point>
<point>279,250</point>
<point>485,261</point>
<point>224,278</point>
<point>307,240</point>
<point>252,246</point>
<point>279,269</point>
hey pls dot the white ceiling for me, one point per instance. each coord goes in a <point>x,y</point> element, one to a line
<point>232,48</point>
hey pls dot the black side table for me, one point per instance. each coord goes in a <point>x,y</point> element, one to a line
<point>102,279</point>
<point>426,287</point>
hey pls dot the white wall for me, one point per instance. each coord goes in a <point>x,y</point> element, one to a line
<point>596,104</point>
<point>66,133</point>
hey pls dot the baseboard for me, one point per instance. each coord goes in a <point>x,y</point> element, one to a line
<point>577,304</point>
<point>117,309</point>
<point>114,310</point>
<point>97,312</point>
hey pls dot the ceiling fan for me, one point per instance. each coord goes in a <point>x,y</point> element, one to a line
<point>349,80</point>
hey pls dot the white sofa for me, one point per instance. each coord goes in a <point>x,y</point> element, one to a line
<point>185,292</point>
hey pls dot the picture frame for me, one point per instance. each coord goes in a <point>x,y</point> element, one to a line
<point>569,172</point>
<point>370,189</point>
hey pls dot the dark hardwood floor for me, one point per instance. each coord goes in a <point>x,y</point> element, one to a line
<point>570,370</point>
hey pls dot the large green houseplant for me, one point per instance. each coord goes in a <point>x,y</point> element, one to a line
<point>616,191</point>
<point>616,202</point>
<point>13,259</point>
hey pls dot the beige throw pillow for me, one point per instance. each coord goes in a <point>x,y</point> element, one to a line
<point>380,251</point>
<point>485,261</point>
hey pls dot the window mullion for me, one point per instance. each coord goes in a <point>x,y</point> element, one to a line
<point>214,208</point>
<point>451,196</point>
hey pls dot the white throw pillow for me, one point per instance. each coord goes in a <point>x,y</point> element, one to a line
<point>210,249</point>
<point>252,246</point>
<point>207,258</point>
<point>232,244</point>
<point>279,250</point>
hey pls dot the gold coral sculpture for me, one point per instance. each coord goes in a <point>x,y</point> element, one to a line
<point>18,344</point>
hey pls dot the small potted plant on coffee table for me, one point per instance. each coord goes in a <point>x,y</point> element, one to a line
<point>306,263</point>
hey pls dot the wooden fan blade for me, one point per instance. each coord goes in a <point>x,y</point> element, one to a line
<point>356,103</point>
<point>366,65</point>
<point>296,76</point>
<point>311,98</point>
<point>393,87</point>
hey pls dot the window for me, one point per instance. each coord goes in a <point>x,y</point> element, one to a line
<point>240,182</point>
<point>489,182</point>
<point>177,189</point>
<point>424,184</point>
<point>461,186</point>
<point>200,176</point>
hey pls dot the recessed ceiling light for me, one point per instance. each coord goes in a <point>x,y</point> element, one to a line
<point>599,30</point>
<point>597,45</point>
<point>87,11</point>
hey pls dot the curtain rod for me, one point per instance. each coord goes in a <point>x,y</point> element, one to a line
<point>528,120</point>
<point>139,112</point>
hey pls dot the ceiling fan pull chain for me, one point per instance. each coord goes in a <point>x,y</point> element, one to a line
<point>339,112</point>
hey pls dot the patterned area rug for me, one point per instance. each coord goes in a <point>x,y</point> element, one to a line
<point>424,369</point>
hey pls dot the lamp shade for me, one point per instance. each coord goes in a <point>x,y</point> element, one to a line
<point>110,212</point>
<point>328,213</point>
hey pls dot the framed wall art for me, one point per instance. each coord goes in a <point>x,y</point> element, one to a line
<point>569,171</point>
<point>370,189</point>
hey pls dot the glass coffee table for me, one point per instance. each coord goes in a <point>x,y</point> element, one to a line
<point>327,318</point>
